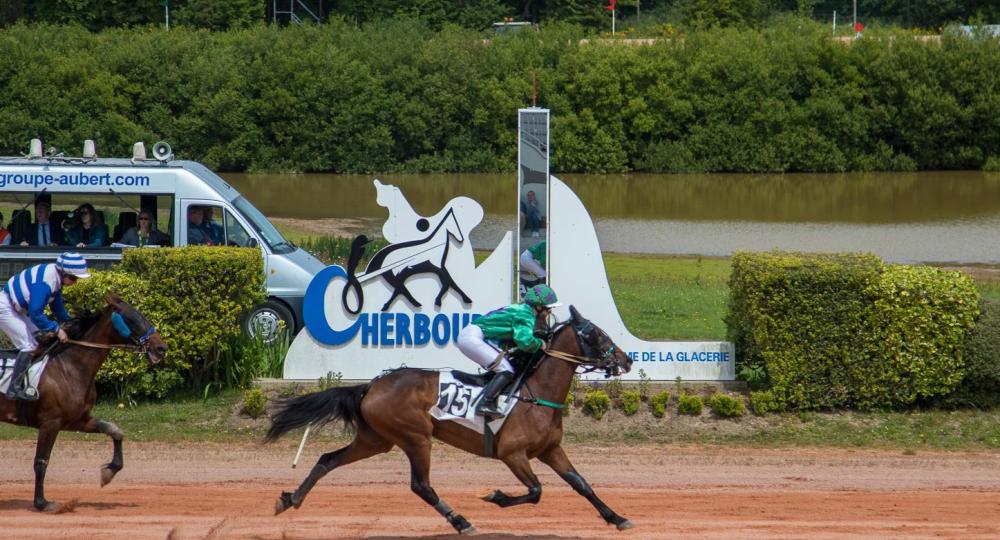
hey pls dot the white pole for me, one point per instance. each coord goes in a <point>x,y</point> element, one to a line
<point>834,22</point>
<point>613,22</point>
<point>166,10</point>
<point>301,446</point>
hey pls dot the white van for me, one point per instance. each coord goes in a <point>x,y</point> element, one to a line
<point>37,184</point>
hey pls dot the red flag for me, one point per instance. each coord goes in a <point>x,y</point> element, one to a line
<point>858,27</point>
<point>611,5</point>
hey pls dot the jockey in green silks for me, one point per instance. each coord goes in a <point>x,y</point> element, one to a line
<point>514,323</point>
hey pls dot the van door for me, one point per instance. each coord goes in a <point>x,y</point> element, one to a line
<point>212,223</point>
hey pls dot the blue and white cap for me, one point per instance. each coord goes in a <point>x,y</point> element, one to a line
<point>73,263</point>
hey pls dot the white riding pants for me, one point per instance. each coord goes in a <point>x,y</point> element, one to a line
<point>529,263</point>
<point>17,325</point>
<point>472,343</point>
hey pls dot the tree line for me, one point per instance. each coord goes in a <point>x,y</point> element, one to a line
<point>480,14</point>
<point>399,96</point>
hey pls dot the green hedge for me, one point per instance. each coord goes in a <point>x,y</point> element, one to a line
<point>194,296</point>
<point>397,96</point>
<point>981,384</point>
<point>823,331</point>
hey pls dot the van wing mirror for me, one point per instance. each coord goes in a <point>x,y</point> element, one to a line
<point>253,243</point>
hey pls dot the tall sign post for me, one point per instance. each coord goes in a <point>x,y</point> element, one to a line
<point>532,196</point>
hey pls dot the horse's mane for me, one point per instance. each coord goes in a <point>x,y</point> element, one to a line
<point>84,321</point>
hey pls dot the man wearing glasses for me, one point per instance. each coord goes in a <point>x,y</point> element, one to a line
<point>22,311</point>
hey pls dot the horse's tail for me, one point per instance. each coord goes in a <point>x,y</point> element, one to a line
<point>353,285</point>
<point>318,408</point>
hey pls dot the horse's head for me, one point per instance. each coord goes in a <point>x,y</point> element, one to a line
<point>596,346</point>
<point>135,329</point>
<point>385,194</point>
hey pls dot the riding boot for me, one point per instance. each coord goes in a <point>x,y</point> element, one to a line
<point>18,381</point>
<point>488,399</point>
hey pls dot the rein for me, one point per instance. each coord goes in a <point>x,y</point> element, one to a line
<point>138,345</point>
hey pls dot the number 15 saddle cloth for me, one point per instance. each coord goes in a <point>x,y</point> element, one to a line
<point>457,400</point>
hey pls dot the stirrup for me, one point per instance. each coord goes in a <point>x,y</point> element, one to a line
<point>26,393</point>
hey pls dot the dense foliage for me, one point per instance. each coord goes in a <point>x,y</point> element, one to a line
<point>221,14</point>
<point>826,331</point>
<point>194,297</point>
<point>980,385</point>
<point>397,96</point>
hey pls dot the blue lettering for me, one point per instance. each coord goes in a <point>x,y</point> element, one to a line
<point>441,329</point>
<point>385,329</point>
<point>421,329</point>
<point>403,329</point>
<point>633,356</point>
<point>314,309</point>
<point>369,328</point>
<point>668,357</point>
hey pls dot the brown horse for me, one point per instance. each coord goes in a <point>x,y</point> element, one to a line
<point>67,390</point>
<point>394,410</point>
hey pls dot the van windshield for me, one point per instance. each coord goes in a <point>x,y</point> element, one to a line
<point>264,228</point>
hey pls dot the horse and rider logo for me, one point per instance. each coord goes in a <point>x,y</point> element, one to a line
<point>429,257</point>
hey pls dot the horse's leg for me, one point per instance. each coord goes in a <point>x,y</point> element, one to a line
<point>448,283</point>
<point>520,465</point>
<point>93,425</point>
<point>398,283</point>
<point>556,458</point>
<point>46,439</point>
<point>420,473</point>
<point>366,444</point>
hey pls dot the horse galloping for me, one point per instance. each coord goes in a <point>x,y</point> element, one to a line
<point>394,410</point>
<point>67,388</point>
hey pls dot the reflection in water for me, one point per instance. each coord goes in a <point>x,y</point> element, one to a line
<point>926,216</point>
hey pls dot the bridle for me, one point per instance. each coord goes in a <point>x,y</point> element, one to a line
<point>136,344</point>
<point>583,327</point>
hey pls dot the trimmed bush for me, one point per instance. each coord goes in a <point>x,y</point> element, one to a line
<point>194,296</point>
<point>763,402</point>
<point>690,404</point>
<point>596,403</point>
<point>726,406</point>
<point>631,399</point>
<point>658,404</point>
<point>253,402</point>
<point>846,330</point>
<point>980,384</point>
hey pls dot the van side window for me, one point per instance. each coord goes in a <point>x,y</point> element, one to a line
<point>236,235</point>
<point>203,230</point>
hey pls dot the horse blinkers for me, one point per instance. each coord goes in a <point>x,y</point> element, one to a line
<point>595,344</point>
<point>139,339</point>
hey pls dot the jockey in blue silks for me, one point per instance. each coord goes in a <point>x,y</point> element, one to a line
<point>22,310</point>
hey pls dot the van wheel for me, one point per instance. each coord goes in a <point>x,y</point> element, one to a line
<point>266,319</point>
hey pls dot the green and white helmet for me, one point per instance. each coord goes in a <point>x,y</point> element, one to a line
<point>541,295</point>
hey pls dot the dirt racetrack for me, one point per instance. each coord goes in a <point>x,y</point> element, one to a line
<point>200,490</point>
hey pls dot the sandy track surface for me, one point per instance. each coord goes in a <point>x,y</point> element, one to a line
<point>195,491</point>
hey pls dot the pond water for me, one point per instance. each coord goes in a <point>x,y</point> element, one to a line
<point>941,216</point>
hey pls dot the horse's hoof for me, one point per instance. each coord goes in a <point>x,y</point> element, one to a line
<point>491,496</point>
<point>107,475</point>
<point>625,525</point>
<point>283,503</point>
<point>468,530</point>
<point>48,507</point>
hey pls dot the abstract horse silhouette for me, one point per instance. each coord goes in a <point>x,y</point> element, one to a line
<point>398,262</point>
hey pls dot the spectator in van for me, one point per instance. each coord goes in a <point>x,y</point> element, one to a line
<point>145,233</point>
<point>4,233</point>
<point>41,232</point>
<point>211,228</point>
<point>86,229</point>
<point>197,236</point>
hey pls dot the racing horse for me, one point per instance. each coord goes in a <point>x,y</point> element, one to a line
<point>67,389</point>
<point>394,410</point>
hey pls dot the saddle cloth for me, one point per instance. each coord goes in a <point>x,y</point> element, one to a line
<point>34,373</point>
<point>457,402</point>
